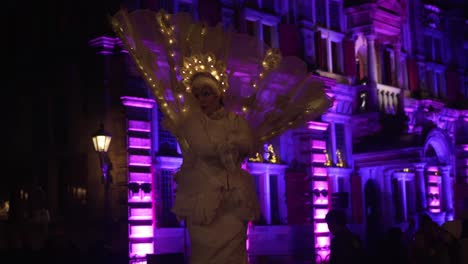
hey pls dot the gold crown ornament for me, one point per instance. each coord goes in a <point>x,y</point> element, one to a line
<point>206,64</point>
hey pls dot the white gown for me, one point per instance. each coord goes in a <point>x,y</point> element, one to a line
<point>214,195</point>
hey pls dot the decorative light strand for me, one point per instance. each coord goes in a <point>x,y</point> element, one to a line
<point>154,85</point>
<point>270,62</point>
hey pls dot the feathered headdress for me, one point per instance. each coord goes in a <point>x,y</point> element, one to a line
<point>273,93</point>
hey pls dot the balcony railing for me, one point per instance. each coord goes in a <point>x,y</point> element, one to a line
<point>388,98</point>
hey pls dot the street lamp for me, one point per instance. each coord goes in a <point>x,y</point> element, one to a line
<point>101,141</point>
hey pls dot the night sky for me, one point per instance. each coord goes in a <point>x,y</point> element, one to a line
<point>48,36</point>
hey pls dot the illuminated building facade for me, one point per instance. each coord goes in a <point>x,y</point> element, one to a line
<point>394,144</point>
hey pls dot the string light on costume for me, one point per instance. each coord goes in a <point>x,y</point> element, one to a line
<point>204,64</point>
<point>154,85</point>
<point>270,62</point>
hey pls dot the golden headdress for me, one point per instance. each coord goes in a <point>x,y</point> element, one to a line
<point>273,93</point>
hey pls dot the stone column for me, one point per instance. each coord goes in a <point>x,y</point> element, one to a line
<point>372,71</point>
<point>401,177</point>
<point>399,78</point>
<point>398,67</point>
<point>447,192</point>
<point>388,215</point>
<point>266,197</point>
<point>329,54</point>
<point>333,142</point>
<point>420,181</point>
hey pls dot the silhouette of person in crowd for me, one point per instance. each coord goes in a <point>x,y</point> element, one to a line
<point>346,247</point>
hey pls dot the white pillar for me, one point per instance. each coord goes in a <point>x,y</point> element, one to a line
<point>259,33</point>
<point>333,142</point>
<point>401,177</point>
<point>398,67</point>
<point>420,181</point>
<point>447,192</point>
<point>266,197</point>
<point>388,214</point>
<point>282,206</point>
<point>372,71</point>
<point>274,36</point>
<point>329,55</point>
<point>371,59</point>
<point>349,144</point>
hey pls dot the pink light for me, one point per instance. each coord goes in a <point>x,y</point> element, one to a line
<point>433,178</point>
<point>434,210</point>
<point>322,255</point>
<point>139,197</point>
<point>465,147</point>
<point>139,177</point>
<point>320,185</point>
<point>141,126</point>
<point>322,241</point>
<point>141,249</point>
<point>318,157</point>
<point>319,171</point>
<point>141,213</point>
<point>409,110</point>
<point>247,242</point>
<point>321,228</point>
<point>317,125</point>
<point>432,169</point>
<point>244,166</point>
<point>139,160</point>
<point>318,144</point>
<point>320,213</point>
<point>137,102</point>
<point>139,143</point>
<point>141,231</point>
<point>320,200</point>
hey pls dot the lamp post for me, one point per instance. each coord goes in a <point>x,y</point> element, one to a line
<point>101,141</point>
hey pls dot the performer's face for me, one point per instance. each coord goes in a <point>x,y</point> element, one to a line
<point>208,99</point>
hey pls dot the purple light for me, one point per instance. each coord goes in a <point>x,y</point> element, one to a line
<point>319,171</point>
<point>139,143</point>
<point>322,241</point>
<point>321,228</point>
<point>139,177</point>
<point>141,249</point>
<point>433,178</point>
<point>409,110</point>
<point>323,255</point>
<point>318,144</point>
<point>141,231</point>
<point>139,197</point>
<point>140,126</point>
<point>141,213</point>
<point>465,147</point>
<point>320,213</point>
<point>318,157</point>
<point>139,160</point>
<point>317,125</point>
<point>137,102</point>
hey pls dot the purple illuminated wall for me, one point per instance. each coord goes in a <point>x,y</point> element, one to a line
<point>320,190</point>
<point>140,181</point>
<point>359,93</point>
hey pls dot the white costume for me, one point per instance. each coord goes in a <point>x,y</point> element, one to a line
<point>214,195</point>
